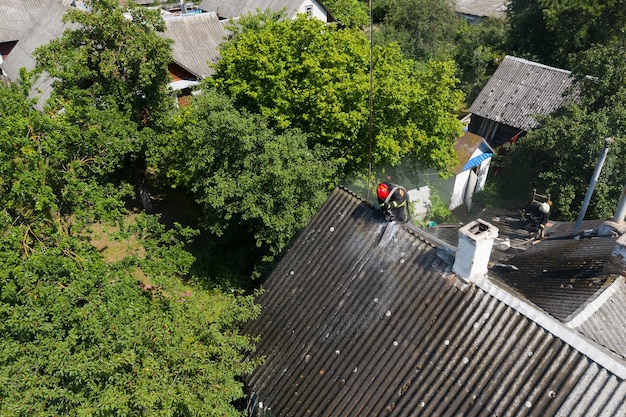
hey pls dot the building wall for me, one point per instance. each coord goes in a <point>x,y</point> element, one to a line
<point>313,8</point>
<point>496,134</point>
<point>461,182</point>
<point>458,190</point>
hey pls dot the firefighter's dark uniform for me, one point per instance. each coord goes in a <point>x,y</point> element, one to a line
<point>395,204</point>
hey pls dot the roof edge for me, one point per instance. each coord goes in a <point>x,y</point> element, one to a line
<point>604,358</point>
<point>536,64</point>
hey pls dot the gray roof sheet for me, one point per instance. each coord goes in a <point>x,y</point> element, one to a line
<point>17,16</point>
<point>560,275</point>
<point>519,90</point>
<point>236,8</point>
<point>603,319</point>
<point>481,8</point>
<point>196,41</point>
<point>364,317</point>
<point>41,31</point>
<point>570,279</point>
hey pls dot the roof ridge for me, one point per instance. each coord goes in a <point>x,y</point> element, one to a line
<point>537,64</point>
<point>577,341</point>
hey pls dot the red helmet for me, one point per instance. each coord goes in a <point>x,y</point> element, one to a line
<point>383,191</point>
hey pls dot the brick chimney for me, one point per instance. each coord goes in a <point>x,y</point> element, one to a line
<point>474,249</point>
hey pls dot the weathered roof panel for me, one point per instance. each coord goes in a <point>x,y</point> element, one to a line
<point>603,319</point>
<point>196,41</point>
<point>236,8</point>
<point>481,8</point>
<point>17,16</point>
<point>560,275</point>
<point>46,27</point>
<point>519,90</point>
<point>363,317</point>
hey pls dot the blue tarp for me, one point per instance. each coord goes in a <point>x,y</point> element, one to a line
<point>477,160</point>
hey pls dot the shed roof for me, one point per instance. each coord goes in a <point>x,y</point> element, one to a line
<point>481,8</point>
<point>196,40</point>
<point>46,27</point>
<point>519,90</point>
<point>364,317</point>
<point>17,16</point>
<point>465,148</point>
<point>236,8</point>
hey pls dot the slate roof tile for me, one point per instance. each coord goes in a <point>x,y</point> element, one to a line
<point>364,317</point>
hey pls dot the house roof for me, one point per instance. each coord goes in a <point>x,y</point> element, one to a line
<point>568,278</point>
<point>481,8</point>
<point>560,275</point>
<point>365,317</point>
<point>466,148</point>
<point>196,40</point>
<point>17,16</point>
<point>236,8</point>
<point>519,90</point>
<point>46,27</point>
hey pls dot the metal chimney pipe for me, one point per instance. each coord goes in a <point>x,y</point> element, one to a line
<point>620,211</point>
<point>592,185</point>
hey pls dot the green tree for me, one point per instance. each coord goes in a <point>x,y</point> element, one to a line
<point>551,31</point>
<point>111,92</point>
<point>48,168</point>
<point>349,13</point>
<point>247,179</point>
<point>479,48</point>
<point>560,156</point>
<point>81,336</point>
<point>109,59</point>
<point>84,337</point>
<point>425,29</point>
<point>315,77</point>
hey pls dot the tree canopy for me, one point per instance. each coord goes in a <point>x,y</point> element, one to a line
<point>83,335</point>
<point>245,177</point>
<point>315,77</point>
<point>425,29</point>
<point>560,155</point>
<point>83,332</point>
<point>349,13</point>
<point>552,32</point>
<point>111,59</point>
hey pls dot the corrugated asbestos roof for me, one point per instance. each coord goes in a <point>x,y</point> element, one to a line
<point>481,8</point>
<point>560,275</point>
<point>236,8</point>
<point>17,16</point>
<point>364,318</point>
<point>46,27</point>
<point>603,321</point>
<point>568,278</point>
<point>519,90</point>
<point>196,40</point>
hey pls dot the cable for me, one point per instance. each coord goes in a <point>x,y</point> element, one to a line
<point>371,105</point>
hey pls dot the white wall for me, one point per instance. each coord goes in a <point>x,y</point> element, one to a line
<point>461,181</point>
<point>458,191</point>
<point>420,201</point>
<point>483,171</point>
<point>316,10</point>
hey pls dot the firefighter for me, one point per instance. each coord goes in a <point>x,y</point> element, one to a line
<point>393,201</point>
<point>539,214</point>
